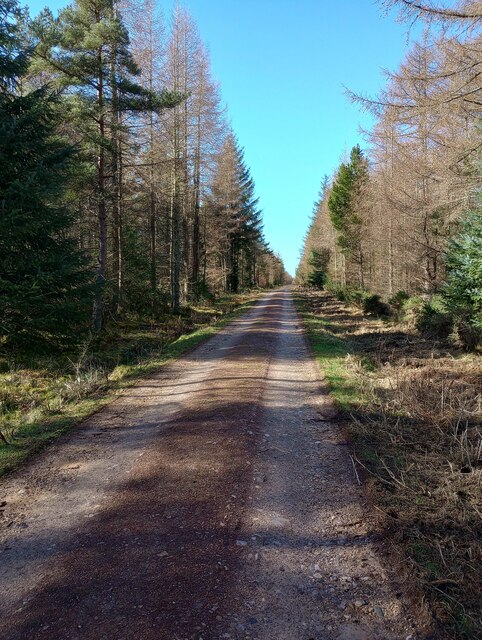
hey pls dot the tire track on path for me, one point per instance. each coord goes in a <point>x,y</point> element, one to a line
<point>214,500</point>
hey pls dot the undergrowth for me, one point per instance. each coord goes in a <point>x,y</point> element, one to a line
<point>42,397</point>
<point>413,410</point>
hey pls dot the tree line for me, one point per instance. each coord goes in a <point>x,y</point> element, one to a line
<point>123,188</point>
<point>393,219</point>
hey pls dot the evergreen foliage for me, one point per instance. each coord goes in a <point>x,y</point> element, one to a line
<point>13,57</point>
<point>462,293</point>
<point>344,202</point>
<point>235,206</point>
<point>246,230</point>
<point>96,154</point>
<point>86,52</point>
<point>318,261</point>
<point>44,283</point>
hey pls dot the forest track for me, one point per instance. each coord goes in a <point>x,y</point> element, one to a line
<point>213,500</point>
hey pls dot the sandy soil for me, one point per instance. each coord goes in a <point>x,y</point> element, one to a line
<point>214,500</point>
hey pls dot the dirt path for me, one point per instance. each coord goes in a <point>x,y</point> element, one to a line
<point>215,500</point>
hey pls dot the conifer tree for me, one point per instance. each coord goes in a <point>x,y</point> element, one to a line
<point>246,225</point>
<point>86,49</point>
<point>462,292</point>
<point>44,283</point>
<point>236,219</point>
<point>345,203</point>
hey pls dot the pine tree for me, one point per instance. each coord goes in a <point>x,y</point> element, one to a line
<point>235,219</point>
<point>245,224</point>
<point>462,292</point>
<point>318,261</point>
<point>345,202</point>
<point>44,283</point>
<point>86,49</point>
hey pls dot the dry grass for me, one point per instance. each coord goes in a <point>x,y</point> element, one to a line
<point>42,396</point>
<point>416,427</point>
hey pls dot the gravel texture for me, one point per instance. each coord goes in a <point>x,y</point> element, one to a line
<point>213,500</point>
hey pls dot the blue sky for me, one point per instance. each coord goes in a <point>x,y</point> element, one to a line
<point>282,65</point>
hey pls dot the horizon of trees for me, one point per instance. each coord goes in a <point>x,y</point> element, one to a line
<point>158,204</point>
<point>384,221</point>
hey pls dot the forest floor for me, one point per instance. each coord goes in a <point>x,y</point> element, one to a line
<point>42,396</point>
<point>213,500</point>
<point>412,410</point>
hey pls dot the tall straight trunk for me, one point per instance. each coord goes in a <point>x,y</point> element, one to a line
<point>184,172</point>
<point>224,270</point>
<point>204,248</point>
<point>196,230</point>
<point>152,237</point>
<point>152,216</point>
<point>241,270</point>
<point>186,227</point>
<point>98,312</point>
<point>120,200</point>
<point>234,266</point>
<point>175,243</point>
<point>176,204</point>
<point>361,270</point>
<point>391,257</point>
<point>430,257</point>
<point>152,190</point>
<point>116,189</point>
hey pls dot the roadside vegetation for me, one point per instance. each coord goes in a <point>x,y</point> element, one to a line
<point>42,396</point>
<point>411,402</point>
<point>129,223</point>
<point>393,256</point>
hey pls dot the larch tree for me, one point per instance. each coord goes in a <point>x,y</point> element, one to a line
<point>86,51</point>
<point>208,132</point>
<point>463,12</point>
<point>149,161</point>
<point>138,201</point>
<point>235,214</point>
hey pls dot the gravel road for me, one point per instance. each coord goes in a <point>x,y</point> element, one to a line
<point>213,500</point>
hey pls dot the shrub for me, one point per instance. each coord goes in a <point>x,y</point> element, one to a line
<point>366,300</point>
<point>355,295</point>
<point>372,303</point>
<point>317,279</point>
<point>411,308</point>
<point>204,293</point>
<point>433,319</point>
<point>469,336</point>
<point>334,288</point>
<point>398,300</point>
<point>462,293</point>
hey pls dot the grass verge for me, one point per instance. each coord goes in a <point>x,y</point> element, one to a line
<point>43,397</point>
<point>413,409</point>
<point>331,351</point>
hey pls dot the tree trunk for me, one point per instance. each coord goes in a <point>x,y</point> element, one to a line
<point>196,231</point>
<point>175,244</point>
<point>116,190</point>
<point>98,312</point>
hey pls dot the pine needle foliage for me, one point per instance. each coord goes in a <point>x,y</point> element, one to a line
<point>342,202</point>
<point>462,292</point>
<point>45,291</point>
